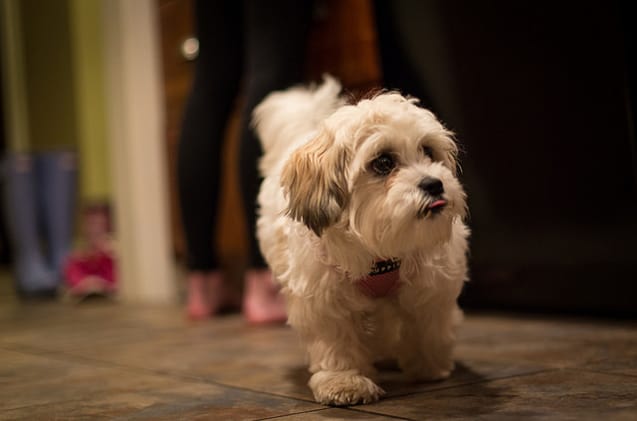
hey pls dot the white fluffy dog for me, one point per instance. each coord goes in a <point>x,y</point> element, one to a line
<point>361,222</point>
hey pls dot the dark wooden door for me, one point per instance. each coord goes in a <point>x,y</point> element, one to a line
<point>550,159</point>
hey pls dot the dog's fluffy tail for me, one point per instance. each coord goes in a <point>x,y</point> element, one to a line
<point>285,119</point>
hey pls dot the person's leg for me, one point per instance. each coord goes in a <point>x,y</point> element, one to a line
<point>32,273</point>
<point>397,62</point>
<point>276,38</point>
<point>57,189</point>
<point>212,96</point>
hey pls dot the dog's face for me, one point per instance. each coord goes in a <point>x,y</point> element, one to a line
<point>383,171</point>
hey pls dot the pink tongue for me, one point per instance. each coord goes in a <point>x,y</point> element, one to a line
<point>438,203</point>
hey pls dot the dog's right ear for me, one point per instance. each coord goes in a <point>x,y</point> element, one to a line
<point>315,182</point>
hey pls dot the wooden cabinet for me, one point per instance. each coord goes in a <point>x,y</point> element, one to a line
<point>175,26</point>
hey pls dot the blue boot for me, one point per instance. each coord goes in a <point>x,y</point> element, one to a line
<point>57,178</point>
<point>33,275</point>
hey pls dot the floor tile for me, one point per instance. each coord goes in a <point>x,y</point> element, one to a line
<point>265,359</point>
<point>36,387</point>
<point>185,401</point>
<point>103,359</point>
<point>58,326</point>
<point>557,394</point>
<point>467,371</point>
<point>31,380</point>
<point>617,357</point>
<point>551,343</point>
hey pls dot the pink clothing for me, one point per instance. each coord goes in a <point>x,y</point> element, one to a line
<point>90,273</point>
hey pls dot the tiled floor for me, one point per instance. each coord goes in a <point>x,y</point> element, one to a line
<point>102,360</point>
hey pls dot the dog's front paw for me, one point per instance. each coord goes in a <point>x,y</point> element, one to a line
<point>342,388</point>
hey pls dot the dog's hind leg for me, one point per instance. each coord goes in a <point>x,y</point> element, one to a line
<point>427,341</point>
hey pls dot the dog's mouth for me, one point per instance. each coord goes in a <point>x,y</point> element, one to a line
<point>434,207</point>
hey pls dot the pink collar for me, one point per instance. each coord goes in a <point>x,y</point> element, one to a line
<point>383,280</point>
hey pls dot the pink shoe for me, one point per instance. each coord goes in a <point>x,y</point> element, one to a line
<point>197,307</point>
<point>206,294</point>
<point>262,301</point>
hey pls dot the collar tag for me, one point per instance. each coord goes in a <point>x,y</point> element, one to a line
<point>383,280</point>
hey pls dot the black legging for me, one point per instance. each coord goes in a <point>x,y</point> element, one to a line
<point>261,43</point>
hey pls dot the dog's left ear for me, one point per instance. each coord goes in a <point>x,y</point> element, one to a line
<point>315,182</point>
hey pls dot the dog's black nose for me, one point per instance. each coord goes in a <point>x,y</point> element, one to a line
<point>432,186</point>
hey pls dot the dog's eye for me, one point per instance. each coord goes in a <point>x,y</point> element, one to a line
<point>428,151</point>
<point>383,165</point>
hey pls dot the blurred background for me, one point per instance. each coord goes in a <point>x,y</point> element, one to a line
<point>541,95</point>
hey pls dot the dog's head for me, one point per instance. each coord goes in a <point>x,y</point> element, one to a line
<point>383,170</point>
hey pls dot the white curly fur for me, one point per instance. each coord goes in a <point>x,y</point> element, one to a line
<point>326,216</point>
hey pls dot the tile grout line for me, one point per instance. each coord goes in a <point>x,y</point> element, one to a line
<point>371,412</point>
<point>590,370</point>
<point>67,357</point>
<point>293,413</point>
<point>471,383</point>
<point>18,408</point>
<point>64,356</point>
<point>344,408</point>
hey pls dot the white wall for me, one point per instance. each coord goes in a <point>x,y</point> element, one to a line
<point>135,121</point>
